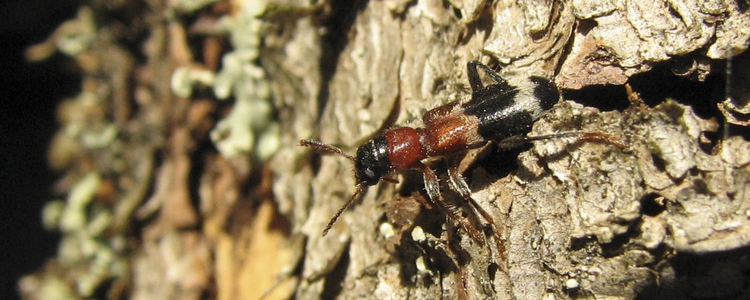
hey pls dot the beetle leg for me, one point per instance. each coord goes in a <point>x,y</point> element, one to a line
<point>459,185</point>
<point>475,81</point>
<point>432,185</point>
<point>516,141</point>
<point>460,275</point>
<point>431,182</point>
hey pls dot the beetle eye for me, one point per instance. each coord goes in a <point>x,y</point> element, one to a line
<point>369,173</point>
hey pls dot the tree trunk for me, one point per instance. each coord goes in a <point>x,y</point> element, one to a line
<point>174,191</point>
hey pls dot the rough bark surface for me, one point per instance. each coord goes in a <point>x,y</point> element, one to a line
<point>173,191</point>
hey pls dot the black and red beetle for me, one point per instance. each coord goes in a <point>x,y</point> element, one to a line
<point>498,112</point>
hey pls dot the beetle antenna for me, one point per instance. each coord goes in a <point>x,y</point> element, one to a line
<point>360,188</point>
<point>325,147</point>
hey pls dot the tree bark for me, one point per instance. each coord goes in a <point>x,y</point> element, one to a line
<point>173,191</point>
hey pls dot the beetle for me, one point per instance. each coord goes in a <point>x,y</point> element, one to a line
<point>501,112</point>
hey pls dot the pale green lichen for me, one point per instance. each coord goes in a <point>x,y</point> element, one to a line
<point>74,215</point>
<point>51,214</point>
<point>71,38</point>
<point>100,221</point>
<point>269,141</point>
<point>93,241</point>
<point>193,5</point>
<point>91,251</point>
<point>78,34</point>
<point>84,251</point>
<point>48,287</point>
<point>83,126</point>
<point>84,247</point>
<point>249,129</point>
<point>101,138</point>
<point>184,78</point>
